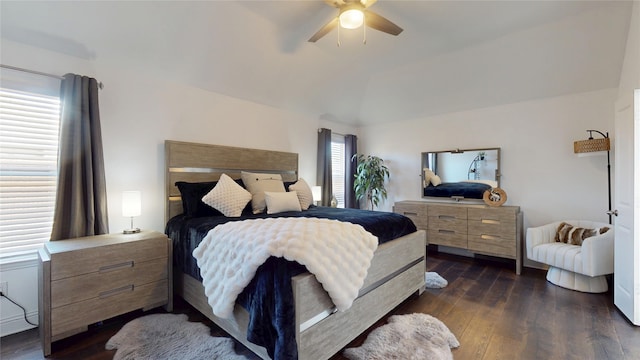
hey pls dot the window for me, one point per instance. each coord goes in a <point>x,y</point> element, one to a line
<point>337,168</point>
<point>29,122</point>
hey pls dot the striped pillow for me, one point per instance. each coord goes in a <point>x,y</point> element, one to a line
<point>572,235</point>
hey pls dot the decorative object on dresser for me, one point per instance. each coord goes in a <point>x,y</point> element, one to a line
<point>86,280</point>
<point>460,174</point>
<point>494,197</point>
<point>481,229</point>
<point>131,207</point>
<point>576,267</point>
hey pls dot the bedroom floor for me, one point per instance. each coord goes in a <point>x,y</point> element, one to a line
<point>492,311</point>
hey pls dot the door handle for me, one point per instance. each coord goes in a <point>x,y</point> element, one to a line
<point>612,212</point>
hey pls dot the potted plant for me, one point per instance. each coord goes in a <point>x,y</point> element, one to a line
<point>369,179</point>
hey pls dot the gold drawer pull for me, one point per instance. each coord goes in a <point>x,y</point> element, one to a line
<point>106,294</point>
<point>489,237</point>
<point>113,267</point>
<point>410,213</point>
<point>489,221</point>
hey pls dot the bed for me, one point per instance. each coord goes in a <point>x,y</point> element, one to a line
<point>396,272</point>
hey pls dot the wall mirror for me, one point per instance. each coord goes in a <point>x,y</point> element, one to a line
<point>461,173</point>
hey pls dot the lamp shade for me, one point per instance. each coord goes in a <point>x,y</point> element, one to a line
<point>317,193</point>
<point>591,145</point>
<point>131,203</point>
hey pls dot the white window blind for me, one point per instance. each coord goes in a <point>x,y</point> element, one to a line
<point>337,168</point>
<point>29,125</point>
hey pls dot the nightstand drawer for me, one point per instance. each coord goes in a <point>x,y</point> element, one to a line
<point>105,257</point>
<point>120,300</point>
<point>87,286</point>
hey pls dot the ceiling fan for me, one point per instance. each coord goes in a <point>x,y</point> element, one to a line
<point>354,13</point>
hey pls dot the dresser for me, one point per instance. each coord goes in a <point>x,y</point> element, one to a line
<point>481,229</point>
<point>86,280</point>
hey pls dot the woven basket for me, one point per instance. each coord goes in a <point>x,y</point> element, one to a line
<point>591,145</point>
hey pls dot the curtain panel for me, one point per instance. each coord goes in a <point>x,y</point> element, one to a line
<point>323,173</point>
<point>350,166</point>
<point>81,197</point>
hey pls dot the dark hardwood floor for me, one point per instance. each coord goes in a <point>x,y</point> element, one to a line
<point>494,313</point>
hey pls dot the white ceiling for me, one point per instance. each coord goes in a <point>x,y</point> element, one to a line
<point>452,55</point>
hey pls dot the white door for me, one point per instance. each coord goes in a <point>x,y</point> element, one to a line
<point>626,287</point>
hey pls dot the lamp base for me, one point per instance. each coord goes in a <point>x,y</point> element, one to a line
<point>131,231</point>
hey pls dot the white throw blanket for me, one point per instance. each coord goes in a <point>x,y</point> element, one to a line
<point>337,253</point>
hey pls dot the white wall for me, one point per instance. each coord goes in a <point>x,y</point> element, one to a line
<point>139,110</point>
<point>540,172</point>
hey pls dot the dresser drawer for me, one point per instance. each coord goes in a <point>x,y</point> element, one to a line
<point>493,245</point>
<point>447,238</point>
<point>492,227</point>
<point>448,212</point>
<point>70,317</point>
<point>416,212</point>
<point>448,223</point>
<point>93,285</point>
<point>499,214</point>
<point>105,257</point>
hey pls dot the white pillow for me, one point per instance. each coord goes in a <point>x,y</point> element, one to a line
<point>281,201</point>
<point>435,180</point>
<point>227,197</point>
<point>428,175</point>
<point>257,184</point>
<point>304,193</point>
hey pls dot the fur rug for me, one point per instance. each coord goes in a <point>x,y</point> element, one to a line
<point>433,280</point>
<point>412,336</point>
<point>169,336</point>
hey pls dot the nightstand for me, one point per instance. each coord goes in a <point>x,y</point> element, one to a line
<point>86,280</point>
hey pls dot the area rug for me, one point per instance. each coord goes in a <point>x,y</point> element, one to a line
<point>411,336</point>
<point>433,280</point>
<point>169,336</point>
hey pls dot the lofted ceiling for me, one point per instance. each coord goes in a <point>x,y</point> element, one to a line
<point>451,56</point>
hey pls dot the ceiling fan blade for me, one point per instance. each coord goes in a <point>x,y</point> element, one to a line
<point>325,29</point>
<point>367,3</point>
<point>335,3</point>
<point>378,22</point>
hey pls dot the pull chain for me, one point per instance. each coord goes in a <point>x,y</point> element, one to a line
<point>364,34</point>
<point>339,34</point>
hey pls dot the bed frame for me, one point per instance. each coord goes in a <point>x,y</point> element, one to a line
<point>396,272</point>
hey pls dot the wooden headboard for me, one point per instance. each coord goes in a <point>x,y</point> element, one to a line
<point>194,162</point>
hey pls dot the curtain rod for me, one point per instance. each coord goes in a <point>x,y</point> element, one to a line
<point>100,86</point>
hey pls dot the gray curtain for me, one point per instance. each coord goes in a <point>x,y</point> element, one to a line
<point>350,149</point>
<point>81,198</point>
<point>323,173</point>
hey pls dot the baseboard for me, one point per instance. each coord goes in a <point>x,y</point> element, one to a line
<point>15,324</point>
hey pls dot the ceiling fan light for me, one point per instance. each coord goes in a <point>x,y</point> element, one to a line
<point>351,19</point>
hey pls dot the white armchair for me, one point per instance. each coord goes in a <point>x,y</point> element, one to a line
<point>582,268</point>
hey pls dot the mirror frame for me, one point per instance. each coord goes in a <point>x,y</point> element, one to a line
<point>424,163</point>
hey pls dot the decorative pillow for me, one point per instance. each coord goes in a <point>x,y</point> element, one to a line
<point>570,234</point>
<point>281,201</point>
<point>227,197</point>
<point>192,194</point>
<point>435,180</point>
<point>428,174</point>
<point>257,184</point>
<point>304,193</point>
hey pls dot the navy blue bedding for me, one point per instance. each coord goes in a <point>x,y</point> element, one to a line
<point>468,190</point>
<point>269,297</point>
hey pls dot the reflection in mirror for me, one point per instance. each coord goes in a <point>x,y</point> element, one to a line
<point>460,173</point>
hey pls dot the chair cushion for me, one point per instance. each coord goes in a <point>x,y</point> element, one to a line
<point>560,255</point>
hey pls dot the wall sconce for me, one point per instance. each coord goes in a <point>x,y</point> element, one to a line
<point>592,145</point>
<point>131,206</point>
<point>317,194</point>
